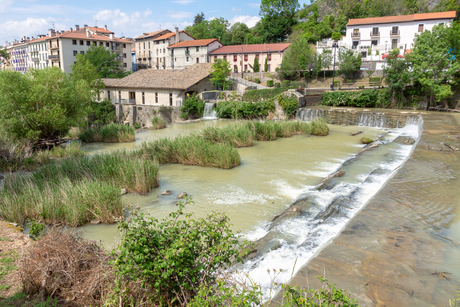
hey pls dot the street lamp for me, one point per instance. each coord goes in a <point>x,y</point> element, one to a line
<point>334,45</point>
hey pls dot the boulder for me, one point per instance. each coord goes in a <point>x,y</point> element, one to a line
<point>182,195</point>
<point>166,192</point>
<point>123,191</point>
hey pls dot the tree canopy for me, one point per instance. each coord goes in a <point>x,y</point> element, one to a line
<point>297,58</point>
<point>106,63</point>
<point>278,18</point>
<point>349,62</point>
<point>82,69</point>
<point>220,71</point>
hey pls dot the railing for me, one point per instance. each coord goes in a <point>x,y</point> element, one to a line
<point>132,101</point>
<point>394,33</point>
<point>247,83</point>
<point>375,34</point>
<point>53,57</point>
<point>35,59</point>
<point>356,35</point>
<point>54,46</point>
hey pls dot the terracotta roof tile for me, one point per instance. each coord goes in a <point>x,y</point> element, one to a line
<point>162,78</point>
<point>99,30</point>
<point>149,34</point>
<point>256,48</point>
<point>402,18</point>
<point>93,37</point>
<point>192,43</point>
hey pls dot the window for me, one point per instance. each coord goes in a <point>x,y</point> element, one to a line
<point>124,45</point>
<point>108,95</point>
<point>215,57</point>
<point>132,97</point>
<point>364,54</point>
<point>269,56</point>
<point>82,52</point>
<point>235,58</point>
<point>125,65</point>
<point>164,50</point>
<point>225,58</point>
<point>144,45</point>
<point>88,43</point>
<point>245,57</point>
<point>170,99</point>
<point>75,52</point>
<point>156,97</point>
<point>94,43</point>
<point>124,55</point>
<point>82,43</point>
<point>119,96</point>
<point>394,43</point>
<point>197,60</point>
<point>187,59</point>
<point>101,43</point>
<point>355,45</point>
<point>268,68</point>
<point>355,33</point>
<point>374,43</point>
<point>245,67</point>
<point>107,44</point>
<point>74,42</point>
<point>143,98</point>
<point>375,31</point>
<point>395,30</point>
<point>420,27</point>
<point>197,49</point>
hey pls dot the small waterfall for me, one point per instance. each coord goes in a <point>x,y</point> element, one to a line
<point>209,112</point>
<point>378,120</point>
<point>308,115</point>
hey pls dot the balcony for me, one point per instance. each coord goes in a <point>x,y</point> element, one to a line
<point>375,34</point>
<point>35,59</point>
<point>53,57</point>
<point>54,46</point>
<point>187,52</point>
<point>355,35</point>
<point>394,33</point>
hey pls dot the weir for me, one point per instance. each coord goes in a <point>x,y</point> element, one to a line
<point>209,112</point>
<point>355,117</point>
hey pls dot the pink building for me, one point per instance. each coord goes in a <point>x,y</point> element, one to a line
<point>241,57</point>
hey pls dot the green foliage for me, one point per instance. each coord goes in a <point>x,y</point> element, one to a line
<point>296,59</point>
<point>290,105</point>
<point>101,113</point>
<point>112,133</point>
<point>193,107</point>
<point>396,74</point>
<point>42,103</point>
<point>105,62</point>
<point>136,125</point>
<point>257,80</point>
<point>263,94</point>
<point>266,66</point>
<point>83,69</point>
<point>349,62</point>
<point>4,57</point>
<point>255,67</point>
<point>286,83</point>
<point>277,85</point>
<point>239,32</point>
<point>240,109</point>
<point>175,257</point>
<point>364,99</point>
<point>220,72</point>
<point>35,228</point>
<point>270,83</point>
<point>365,140</point>
<point>336,36</point>
<point>277,18</point>
<point>216,28</point>
<point>158,123</point>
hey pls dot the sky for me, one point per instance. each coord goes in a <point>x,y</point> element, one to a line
<point>125,18</point>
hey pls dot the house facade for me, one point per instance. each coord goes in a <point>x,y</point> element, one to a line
<point>144,48</point>
<point>241,57</point>
<point>163,56</point>
<point>187,53</point>
<point>158,87</point>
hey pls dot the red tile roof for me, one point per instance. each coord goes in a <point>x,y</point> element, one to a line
<point>148,34</point>
<point>256,48</point>
<point>402,18</point>
<point>99,30</point>
<point>193,43</point>
<point>166,36</point>
<point>78,35</point>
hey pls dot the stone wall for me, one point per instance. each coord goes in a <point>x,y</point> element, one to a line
<point>130,114</point>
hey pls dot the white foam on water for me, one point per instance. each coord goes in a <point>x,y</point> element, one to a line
<point>237,195</point>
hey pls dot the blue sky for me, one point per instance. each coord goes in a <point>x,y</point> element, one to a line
<point>130,18</point>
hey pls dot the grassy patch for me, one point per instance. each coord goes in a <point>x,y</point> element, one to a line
<point>365,140</point>
<point>113,133</point>
<point>158,123</point>
<point>246,110</point>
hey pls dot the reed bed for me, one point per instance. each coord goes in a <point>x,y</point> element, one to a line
<point>112,133</point>
<point>73,149</point>
<point>237,135</point>
<point>158,123</point>
<point>191,150</point>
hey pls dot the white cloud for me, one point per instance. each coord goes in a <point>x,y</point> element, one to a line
<point>250,21</point>
<point>147,12</point>
<point>4,4</point>
<point>28,27</point>
<point>254,5</point>
<point>236,9</point>
<point>179,15</point>
<point>183,2</point>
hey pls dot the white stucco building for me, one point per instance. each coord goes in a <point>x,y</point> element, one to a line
<point>187,53</point>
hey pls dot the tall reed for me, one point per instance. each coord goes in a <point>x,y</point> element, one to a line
<point>158,123</point>
<point>112,133</point>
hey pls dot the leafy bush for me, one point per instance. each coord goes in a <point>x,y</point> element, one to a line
<point>175,257</point>
<point>364,99</point>
<point>137,125</point>
<point>289,104</point>
<point>264,94</point>
<point>101,113</point>
<point>297,84</point>
<point>240,109</point>
<point>35,228</point>
<point>257,80</point>
<point>269,83</point>
<point>158,123</point>
<point>361,87</point>
<point>193,107</point>
<point>286,83</point>
<point>277,85</point>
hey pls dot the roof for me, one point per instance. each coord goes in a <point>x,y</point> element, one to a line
<point>402,18</point>
<point>38,39</point>
<point>166,36</point>
<point>193,43</point>
<point>98,30</point>
<point>162,78</point>
<point>154,33</point>
<point>79,35</point>
<point>256,48</point>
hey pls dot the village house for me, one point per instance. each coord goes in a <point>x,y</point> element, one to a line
<point>241,57</point>
<point>187,53</point>
<point>158,87</point>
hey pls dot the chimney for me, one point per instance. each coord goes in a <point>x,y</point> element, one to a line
<point>77,27</point>
<point>105,27</point>
<point>176,29</point>
<point>86,26</point>
<point>111,36</point>
<point>88,33</point>
<point>71,30</point>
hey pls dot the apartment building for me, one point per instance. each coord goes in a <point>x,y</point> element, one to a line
<point>376,36</point>
<point>163,56</point>
<point>241,57</point>
<point>186,53</point>
<point>38,52</point>
<point>144,48</point>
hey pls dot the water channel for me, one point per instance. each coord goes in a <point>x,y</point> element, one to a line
<point>271,177</point>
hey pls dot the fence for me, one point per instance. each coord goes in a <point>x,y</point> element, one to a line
<point>247,83</point>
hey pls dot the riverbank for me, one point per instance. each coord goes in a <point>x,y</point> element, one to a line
<point>388,255</point>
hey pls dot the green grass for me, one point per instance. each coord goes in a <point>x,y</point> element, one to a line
<point>365,140</point>
<point>237,135</point>
<point>158,123</point>
<point>112,133</point>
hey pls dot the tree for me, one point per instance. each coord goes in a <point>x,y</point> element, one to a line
<point>199,31</point>
<point>42,103</point>
<point>336,36</point>
<point>198,18</point>
<point>433,66</point>
<point>239,32</point>
<point>4,57</point>
<point>296,59</point>
<point>220,72</point>
<point>106,62</point>
<point>255,67</point>
<point>349,62</point>
<point>218,27</point>
<point>266,65</point>
<point>278,18</point>
<point>82,69</point>
<point>396,74</point>
<point>325,61</point>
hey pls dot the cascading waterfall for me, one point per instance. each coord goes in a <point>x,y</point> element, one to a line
<point>209,112</point>
<point>289,244</point>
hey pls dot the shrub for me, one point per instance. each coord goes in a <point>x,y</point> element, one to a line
<point>263,94</point>
<point>35,228</point>
<point>257,80</point>
<point>290,105</point>
<point>269,83</point>
<point>365,99</point>
<point>173,258</point>
<point>112,133</point>
<point>240,109</point>
<point>277,85</point>
<point>361,87</point>
<point>158,123</point>
<point>319,127</point>
<point>101,113</point>
<point>193,107</point>
<point>137,125</point>
<point>286,83</point>
<point>237,135</point>
<point>298,84</point>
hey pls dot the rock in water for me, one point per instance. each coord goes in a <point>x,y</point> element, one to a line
<point>95,222</point>
<point>166,192</point>
<point>182,195</point>
<point>123,191</point>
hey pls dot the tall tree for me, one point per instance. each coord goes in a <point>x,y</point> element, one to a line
<point>198,18</point>
<point>325,61</point>
<point>239,32</point>
<point>82,69</point>
<point>349,62</point>
<point>278,18</point>
<point>220,72</point>
<point>396,74</point>
<point>255,67</point>
<point>106,63</point>
<point>296,59</point>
